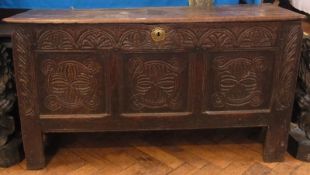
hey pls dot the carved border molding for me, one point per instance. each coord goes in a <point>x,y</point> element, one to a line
<point>287,69</point>
<point>25,76</point>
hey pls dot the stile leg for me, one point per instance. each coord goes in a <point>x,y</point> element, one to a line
<point>33,144</point>
<point>275,142</point>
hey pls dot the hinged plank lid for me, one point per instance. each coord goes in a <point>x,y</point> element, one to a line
<point>158,15</point>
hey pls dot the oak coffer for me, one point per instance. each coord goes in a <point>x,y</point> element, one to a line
<point>156,69</point>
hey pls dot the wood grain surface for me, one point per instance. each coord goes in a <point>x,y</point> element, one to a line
<point>158,15</point>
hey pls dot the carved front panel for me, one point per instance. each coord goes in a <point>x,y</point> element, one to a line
<point>71,83</point>
<point>238,81</point>
<point>155,83</point>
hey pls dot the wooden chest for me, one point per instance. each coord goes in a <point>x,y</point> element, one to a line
<point>156,69</point>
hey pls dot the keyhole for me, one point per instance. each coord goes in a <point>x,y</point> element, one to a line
<point>158,34</point>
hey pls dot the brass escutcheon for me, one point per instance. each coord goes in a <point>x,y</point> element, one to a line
<point>158,34</point>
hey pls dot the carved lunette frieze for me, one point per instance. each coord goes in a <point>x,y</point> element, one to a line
<point>287,69</point>
<point>55,39</point>
<point>90,38</point>
<point>135,39</point>
<point>257,36</point>
<point>217,38</point>
<point>96,39</point>
<point>25,75</point>
<point>140,38</point>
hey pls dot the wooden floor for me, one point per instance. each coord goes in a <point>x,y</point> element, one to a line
<point>199,152</point>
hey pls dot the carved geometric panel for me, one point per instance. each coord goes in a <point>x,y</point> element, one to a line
<point>71,83</point>
<point>238,80</point>
<point>155,83</point>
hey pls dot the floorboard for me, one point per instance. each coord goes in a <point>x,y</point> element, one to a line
<point>197,152</point>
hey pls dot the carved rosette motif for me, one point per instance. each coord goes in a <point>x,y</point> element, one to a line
<point>25,76</point>
<point>155,84</point>
<point>238,81</point>
<point>288,70</point>
<point>71,84</point>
